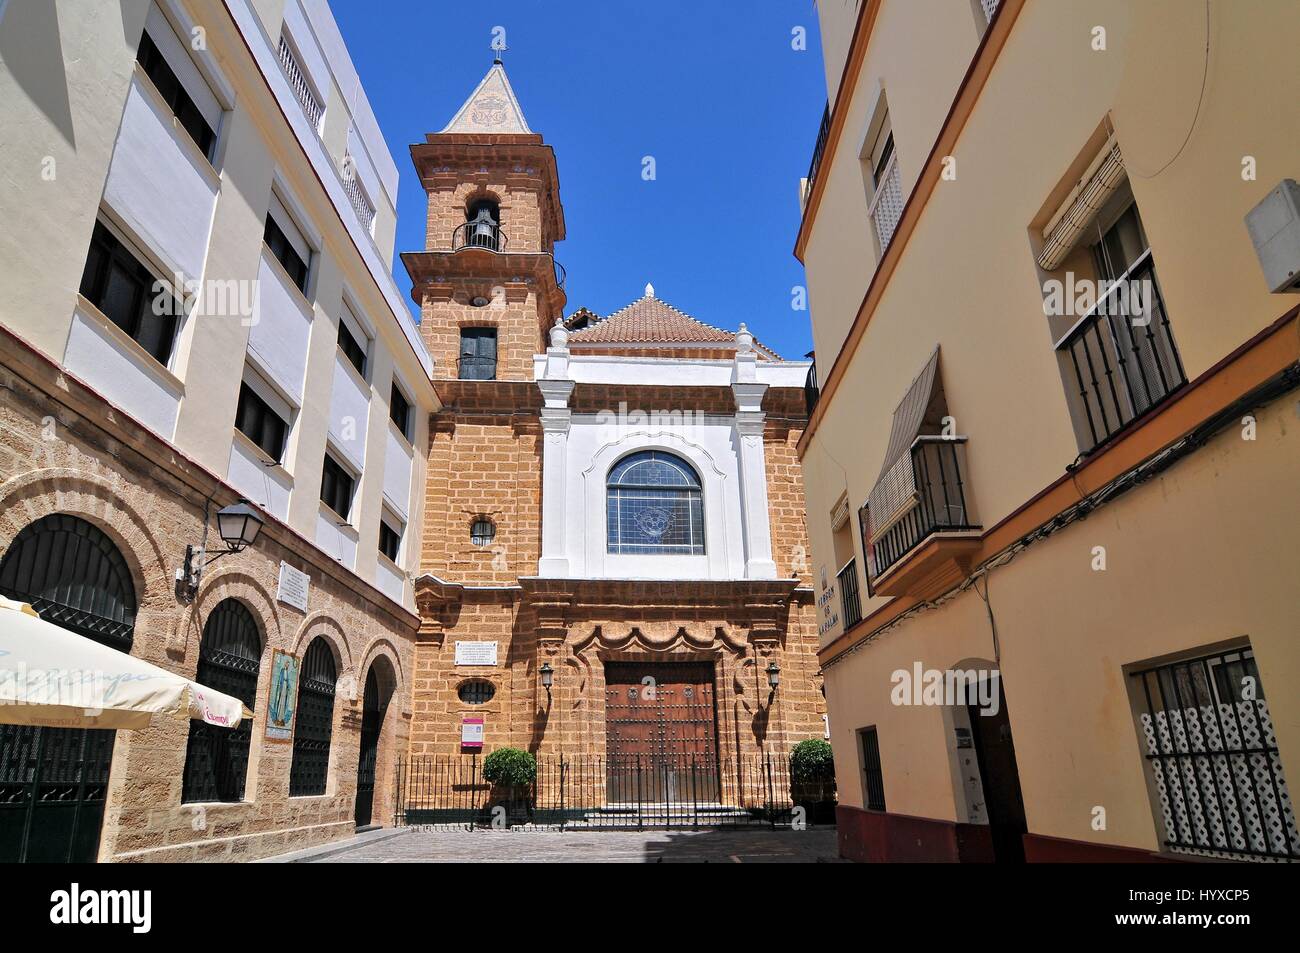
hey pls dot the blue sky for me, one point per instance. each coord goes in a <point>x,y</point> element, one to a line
<point>713,91</point>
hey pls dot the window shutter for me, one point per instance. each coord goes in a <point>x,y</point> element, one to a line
<point>1103,176</point>
<point>895,489</point>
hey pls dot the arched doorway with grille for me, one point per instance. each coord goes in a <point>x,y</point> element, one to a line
<point>230,654</point>
<point>54,781</point>
<point>380,681</point>
<point>314,726</point>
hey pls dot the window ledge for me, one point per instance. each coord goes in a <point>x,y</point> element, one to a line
<point>939,562</point>
<point>270,463</point>
<point>148,363</point>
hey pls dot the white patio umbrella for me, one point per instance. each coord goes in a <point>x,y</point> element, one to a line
<point>53,677</point>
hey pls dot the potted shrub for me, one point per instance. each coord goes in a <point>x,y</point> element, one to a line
<point>812,779</point>
<point>512,773</point>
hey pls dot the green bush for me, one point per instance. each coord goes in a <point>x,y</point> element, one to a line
<point>812,760</point>
<point>510,768</point>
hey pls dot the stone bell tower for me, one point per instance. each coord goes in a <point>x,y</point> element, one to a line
<point>494,217</point>
<point>489,290</point>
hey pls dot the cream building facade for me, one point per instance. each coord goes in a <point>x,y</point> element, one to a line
<point>1078,495</point>
<point>199,217</point>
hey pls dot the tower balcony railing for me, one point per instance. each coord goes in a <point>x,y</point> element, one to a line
<point>479,235</point>
<point>940,506</point>
<point>492,237</point>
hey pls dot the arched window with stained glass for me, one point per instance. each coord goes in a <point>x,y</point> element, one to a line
<point>655,506</point>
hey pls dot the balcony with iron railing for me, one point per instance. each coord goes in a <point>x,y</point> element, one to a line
<point>488,235</point>
<point>823,133</point>
<point>302,88</point>
<point>930,541</point>
<point>811,392</point>
<point>1121,356</point>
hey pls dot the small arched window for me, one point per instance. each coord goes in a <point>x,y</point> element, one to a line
<point>482,531</point>
<point>315,721</point>
<point>655,506</point>
<point>230,652</point>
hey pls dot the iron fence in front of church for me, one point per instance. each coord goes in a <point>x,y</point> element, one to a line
<point>594,792</point>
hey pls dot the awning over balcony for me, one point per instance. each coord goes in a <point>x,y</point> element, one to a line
<point>1061,233</point>
<point>895,489</point>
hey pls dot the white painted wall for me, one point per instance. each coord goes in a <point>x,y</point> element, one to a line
<point>266,485</point>
<point>390,580</point>
<point>594,446</point>
<point>398,459</point>
<point>349,412</point>
<point>160,184</point>
<point>336,539</point>
<point>281,325</point>
<point>103,356</point>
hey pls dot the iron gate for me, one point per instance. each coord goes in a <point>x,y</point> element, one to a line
<point>54,781</point>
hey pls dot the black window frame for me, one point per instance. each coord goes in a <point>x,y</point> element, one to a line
<point>259,422</point>
<point>352,349</point>
<point>337,486</point>
<point>390,540</point>
<point>474,365</point>
<point>108,256</point>
<point>278,242</point>
<point>399,410</point>
<point>180,102</point>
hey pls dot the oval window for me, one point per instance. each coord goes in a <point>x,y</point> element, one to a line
<point>476,692</point>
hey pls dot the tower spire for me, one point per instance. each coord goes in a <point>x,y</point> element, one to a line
<point>492,107</point>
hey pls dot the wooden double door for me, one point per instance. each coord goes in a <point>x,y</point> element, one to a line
<point>661,731</point>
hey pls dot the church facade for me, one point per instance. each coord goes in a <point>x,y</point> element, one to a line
<point>612,504</point>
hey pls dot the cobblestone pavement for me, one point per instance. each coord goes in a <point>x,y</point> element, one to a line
<point>605,847</point>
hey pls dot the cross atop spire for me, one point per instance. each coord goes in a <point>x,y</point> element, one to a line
<point>492,107</point>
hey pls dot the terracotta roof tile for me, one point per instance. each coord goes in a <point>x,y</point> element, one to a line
<point>648,320</point>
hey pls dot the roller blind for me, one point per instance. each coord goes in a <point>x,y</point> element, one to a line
<point>1104,175</point>
<point>178,58</point>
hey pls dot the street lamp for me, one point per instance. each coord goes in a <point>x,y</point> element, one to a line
<point>238,525</point>
<point>773,675</point>
<point>548,677</point>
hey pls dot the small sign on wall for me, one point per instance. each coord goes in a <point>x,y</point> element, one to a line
<point>471,733</point>
<point>284,696</point>
<point>293,587</point>
<point>476,653</point>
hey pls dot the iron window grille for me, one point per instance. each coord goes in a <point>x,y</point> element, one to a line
<point>655,506</point>
<point>1213,758</point>
<point>1122,354</point>
<point>216,759</point>
<point>390,540</point>
<point>811,392</point>
<point>337,486</point>
<point>255,419</point>
<point>285,254</point>
<point>478,354</point>
<point>476,691</point>
<point>128,294</point>
<point>482,532</point>
<point>352,349</point>
<point>850,598</point>
<point>874,788</point>
<point>399,410</point>
<point>180,102</point>
<point>314,721</point>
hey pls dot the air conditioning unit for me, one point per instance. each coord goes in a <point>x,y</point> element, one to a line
<point>1274,226</point>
